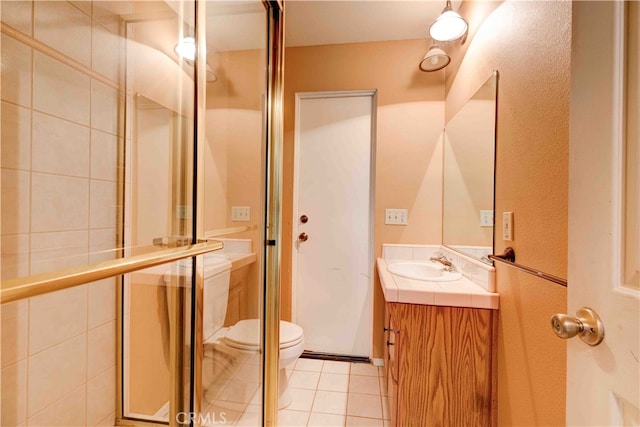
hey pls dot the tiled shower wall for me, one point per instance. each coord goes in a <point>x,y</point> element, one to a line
<point>58,209</point>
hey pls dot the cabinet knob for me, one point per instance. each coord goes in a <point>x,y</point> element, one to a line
<point>390,343</point>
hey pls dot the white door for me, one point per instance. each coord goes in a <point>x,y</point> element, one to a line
<point>333,285</point>
<point>603,382</point>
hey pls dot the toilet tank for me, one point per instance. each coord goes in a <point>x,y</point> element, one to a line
<point>217,272</point>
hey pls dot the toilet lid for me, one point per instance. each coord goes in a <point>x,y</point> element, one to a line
<point>246,333</point>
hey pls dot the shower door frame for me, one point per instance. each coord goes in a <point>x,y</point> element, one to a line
<point>272,221</point>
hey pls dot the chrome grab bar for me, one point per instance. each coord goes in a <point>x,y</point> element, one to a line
<point>30,286</point>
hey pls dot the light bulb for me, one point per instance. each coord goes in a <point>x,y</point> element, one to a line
<point>186,48</point>
<point>449,26</point>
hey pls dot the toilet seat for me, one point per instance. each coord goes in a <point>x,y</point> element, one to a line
<point>245,335</point>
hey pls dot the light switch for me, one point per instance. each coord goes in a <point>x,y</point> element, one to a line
<point>240,213</point>
<point>395,216</point>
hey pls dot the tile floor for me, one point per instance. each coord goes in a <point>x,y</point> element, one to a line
<point>324,393</point>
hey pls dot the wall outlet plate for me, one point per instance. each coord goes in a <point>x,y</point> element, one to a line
<point>507,226</point>
<point>486,218</point>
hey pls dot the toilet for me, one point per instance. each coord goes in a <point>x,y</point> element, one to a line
<point>244,337</point>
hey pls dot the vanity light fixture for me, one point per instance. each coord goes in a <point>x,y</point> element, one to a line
<point>186,49</point>
<point>448,26</point>
<point>434,60</point>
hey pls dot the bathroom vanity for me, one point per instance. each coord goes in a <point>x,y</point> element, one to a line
<point>441,343</point>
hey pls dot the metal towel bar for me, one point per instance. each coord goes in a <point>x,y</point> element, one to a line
<point>30,286</point>
<point>509,258</point>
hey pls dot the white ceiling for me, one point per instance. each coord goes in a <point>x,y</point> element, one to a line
<point>319,22</point>
<point>240,24</point>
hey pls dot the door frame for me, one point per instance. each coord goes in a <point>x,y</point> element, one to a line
<point>300,96</point>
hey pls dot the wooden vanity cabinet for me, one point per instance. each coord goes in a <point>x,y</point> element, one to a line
<point>441,365</point>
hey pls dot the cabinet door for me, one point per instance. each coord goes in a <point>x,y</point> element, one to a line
<point>393,370</point>
<point>444,361</point>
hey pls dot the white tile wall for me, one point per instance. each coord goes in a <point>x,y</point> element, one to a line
<point>104,44</point>
<point>102,302</point>
<point>104,156</point>
<point>103,211</point>
<point>59,173</point>
<point>15,201</point>
<point>101,244</point>
<point>101,396</point>
<point>104,111</point>
<point>14,405</point>
<point>18,15</point>
<point>59,203</point>
<point>16,71</point>
<point>15,253</point>
<point>68,411</point>
<point>16,136</point>
<point>101,353</point>
<point>59,146</point>
<point>14,330</point>
<point>60,90</point>
<point>52,322</point>
<point>65,28</point>
<point>55,372</point>
<point>56,250</point>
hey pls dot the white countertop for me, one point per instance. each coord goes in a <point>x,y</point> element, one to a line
<point>458,293</point>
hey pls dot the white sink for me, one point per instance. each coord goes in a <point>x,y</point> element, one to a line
<point>427,271</point>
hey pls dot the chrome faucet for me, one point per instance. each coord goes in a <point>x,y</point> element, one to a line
<point>448,265</point>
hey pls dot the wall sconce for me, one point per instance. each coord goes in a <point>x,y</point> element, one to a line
<point>434,60</point>
<point>448,26</point>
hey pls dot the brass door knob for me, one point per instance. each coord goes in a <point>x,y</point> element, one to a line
<point>303,237</point>
<point>586,324</point>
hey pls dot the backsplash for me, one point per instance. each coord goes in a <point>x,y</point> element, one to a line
<point>236,246</point>
<point>474,270</point>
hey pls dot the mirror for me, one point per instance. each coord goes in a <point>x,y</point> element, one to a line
<point>468,183</point>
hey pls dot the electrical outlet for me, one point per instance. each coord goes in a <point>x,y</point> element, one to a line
<point>486,218</point>
<point>240,213</point>
<point>507,226</point>
<point>396,216</point>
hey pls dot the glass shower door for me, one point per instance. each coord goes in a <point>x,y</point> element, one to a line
<point>217,383</point>
<point>120,163</point>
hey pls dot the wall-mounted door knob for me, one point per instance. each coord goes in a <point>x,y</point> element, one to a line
<point>303,237</point>
<point>586,324</point>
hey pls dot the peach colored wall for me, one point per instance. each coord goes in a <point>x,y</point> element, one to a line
<point>532,163</point>
<point>59,186</point>
<point>408,169</point>
<point>234,166</point>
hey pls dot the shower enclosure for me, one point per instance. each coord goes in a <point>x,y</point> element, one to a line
<point>140,147</point>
